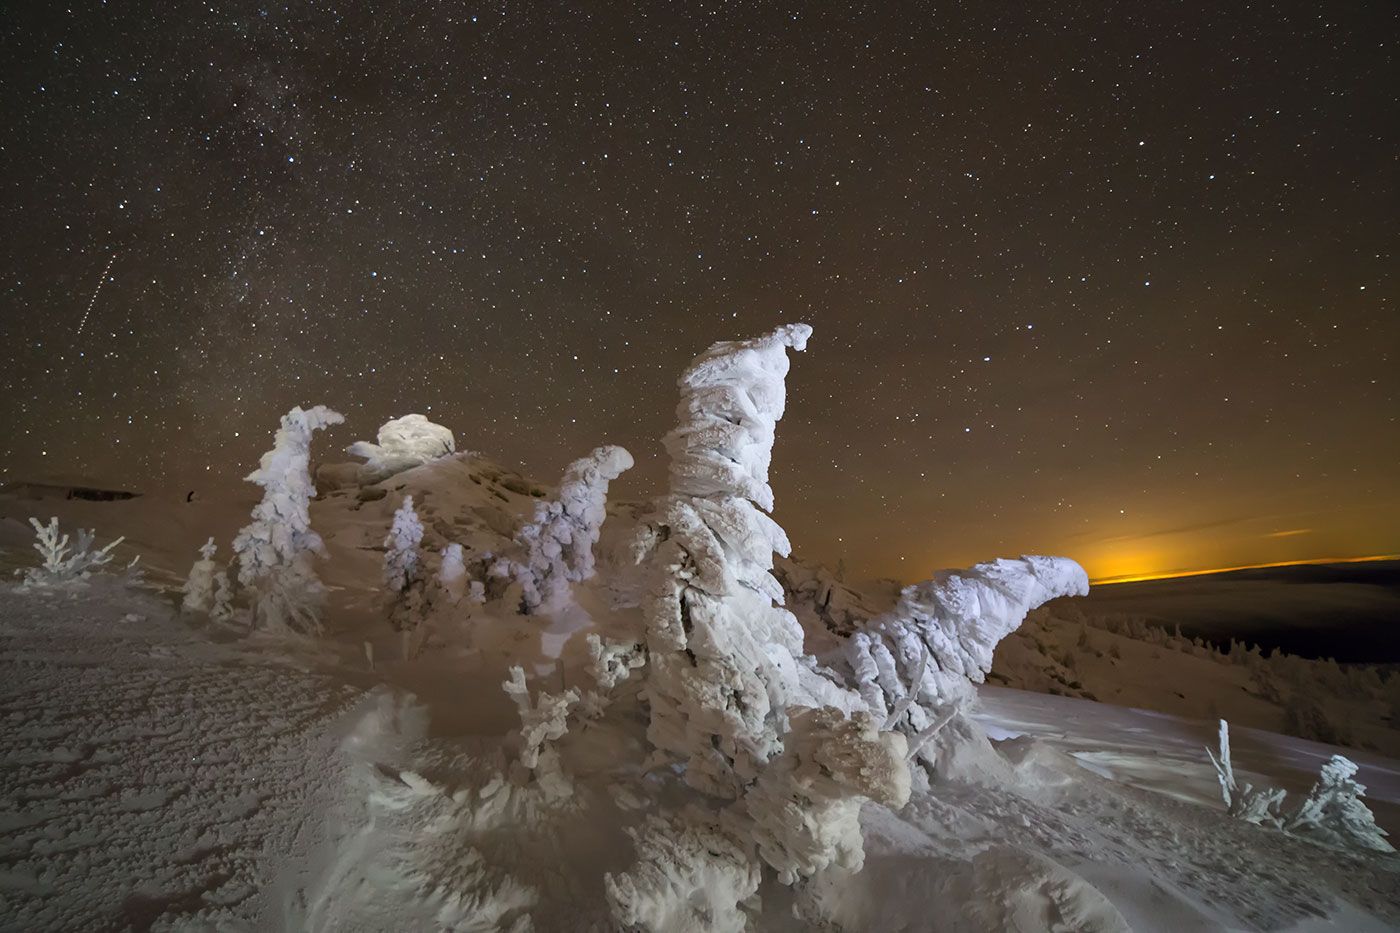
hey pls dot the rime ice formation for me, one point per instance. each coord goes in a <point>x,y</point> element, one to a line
<point>1332,813</point>
<point>691,876</point>
<point>275,550</point>
<point>1244,801</point>
<point>403,568</point>
<point>199,585</point>
<point>722,654</point>
<point>609,663</point>
<point>915,665</point>
<point>803,812</point>
<point>541,724</point>
<point>62,564</point>
<point>557,543</point>
<point>404,443</point>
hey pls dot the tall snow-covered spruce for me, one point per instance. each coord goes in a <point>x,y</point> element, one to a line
<point>276,549</point>
<point>723,654</point>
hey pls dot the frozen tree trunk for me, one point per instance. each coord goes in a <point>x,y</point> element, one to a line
<point>403,568</point>
<point>276,549</point>
<point>722,653</point>
<point>915,665</point>
<point>557,544</point>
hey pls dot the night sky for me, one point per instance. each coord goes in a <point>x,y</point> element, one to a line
<point>1110,281</point>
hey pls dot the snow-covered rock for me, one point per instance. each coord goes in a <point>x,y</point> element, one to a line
<point>403,443</point>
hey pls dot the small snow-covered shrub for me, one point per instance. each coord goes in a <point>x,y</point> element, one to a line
<point>199,585</point>
<point>1332,813</point>
<point>609,663</point>
<point>403,568</point>
<point>404,443</point>
<point>62,563</point>
<point>1244,801</point>
<point>276,549</point>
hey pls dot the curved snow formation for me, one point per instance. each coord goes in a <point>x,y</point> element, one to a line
<point>404,443</point>
<point>916,664</point>
<point>724,656</point>
<point>558,541</point>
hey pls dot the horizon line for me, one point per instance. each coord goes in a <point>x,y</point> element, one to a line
<point>1174,575</point>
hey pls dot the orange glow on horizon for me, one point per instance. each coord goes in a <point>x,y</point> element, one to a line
<point>1171,575</point>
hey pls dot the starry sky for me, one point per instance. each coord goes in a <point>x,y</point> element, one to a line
<point>1110,281</point>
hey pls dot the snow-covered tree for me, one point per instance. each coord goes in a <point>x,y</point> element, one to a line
<point>556,545</point>
<point>199,585</point>
<point>916,664</point>
<point>276,549</point>
<point>404,443</point>
<point>403,568</point>
<point>542,723</point>
<point>723,654</point>
<point>1333,812</point>
<point>62,563</point>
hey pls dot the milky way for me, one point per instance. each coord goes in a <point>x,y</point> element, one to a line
<point>1115,283</point>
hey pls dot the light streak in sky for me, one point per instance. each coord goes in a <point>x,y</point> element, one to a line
<point>97,291</point>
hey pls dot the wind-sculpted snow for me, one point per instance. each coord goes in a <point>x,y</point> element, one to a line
<point>916,664</point>
<point>151,779</point>
<point>803,812</point>
<point>404,443</point>
<point>557,543</point>
<point>723,656</point>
